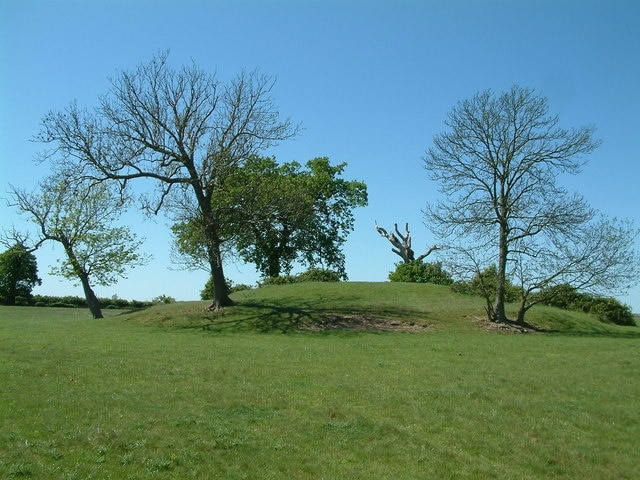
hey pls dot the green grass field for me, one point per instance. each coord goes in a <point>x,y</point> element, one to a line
<point>258,392</point>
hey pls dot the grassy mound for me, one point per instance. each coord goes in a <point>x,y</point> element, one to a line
<point>361,306</point>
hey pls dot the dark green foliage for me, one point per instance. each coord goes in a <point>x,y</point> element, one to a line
<point>311,275</point>
<point>484,285</point>
<point>566,297</point>
<point>18,276</point>
<point>79,302</point>
<point>419,272</point>
<point>66,301</point>
<point>240,287</point>
<point>208,292</point>
<point>319,275</point>
<point>611,310</point>
<point>279,280</point>
<point>275,214</point>
<point>607,310</point>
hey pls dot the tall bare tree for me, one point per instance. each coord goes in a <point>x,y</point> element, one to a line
<point>182,129</point>
<point>498,165</point>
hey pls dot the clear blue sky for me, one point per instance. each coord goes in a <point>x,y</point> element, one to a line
<point>371,81</point>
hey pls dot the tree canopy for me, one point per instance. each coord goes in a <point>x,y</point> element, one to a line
<point>277,214</point>
<point>80,217</point>
<point>18,274</point>
<point>498,164</point>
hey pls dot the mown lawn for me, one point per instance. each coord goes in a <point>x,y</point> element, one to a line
<point>123,398</point>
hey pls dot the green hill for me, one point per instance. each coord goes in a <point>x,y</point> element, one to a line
<point>363,306</point>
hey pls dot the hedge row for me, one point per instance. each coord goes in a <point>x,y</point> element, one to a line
<point>79,302</point>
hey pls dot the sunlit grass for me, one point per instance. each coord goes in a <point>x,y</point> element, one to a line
<point>121,398</point>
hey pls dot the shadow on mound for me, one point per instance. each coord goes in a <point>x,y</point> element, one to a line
<point>276,317</point>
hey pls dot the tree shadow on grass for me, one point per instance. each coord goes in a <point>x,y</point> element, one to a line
<point>284,317</point>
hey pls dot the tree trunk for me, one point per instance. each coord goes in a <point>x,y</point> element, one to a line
<point>92,301</point>
<point>12,294</point>
<point>273,266</point>
<point>499,314</point>
<point>523,308</point>
<point>220,296</point>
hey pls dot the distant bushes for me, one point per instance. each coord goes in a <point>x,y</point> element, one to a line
<point>485,283</point>
<point>607,310</point>
<point>166,299</point>
<point>318,275</point>
<point>421,272</point>
<point>311,275</point>
<point>207,292</point>
<point>79,302</point>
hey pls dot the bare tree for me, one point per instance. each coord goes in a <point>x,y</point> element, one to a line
<point>498,166</point>
<point>402,244</point>
<point>182,129</point>
<point>595,257</point>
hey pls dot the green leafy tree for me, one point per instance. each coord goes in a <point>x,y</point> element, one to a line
<point>80,218</point>
<point>498,165</point>
<point>18,274</point>
<point>295,214</point>
<point>181,129</point>
<point>275,215</point>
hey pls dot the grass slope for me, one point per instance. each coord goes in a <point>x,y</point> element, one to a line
<point>117,398</point>
<point>298,306</point>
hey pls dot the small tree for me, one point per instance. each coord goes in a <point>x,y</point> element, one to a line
<point>18,274</point>
<point>80,218</point>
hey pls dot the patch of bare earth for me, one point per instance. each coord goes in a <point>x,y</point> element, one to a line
<point>364,323</point>
<point>482,322</point>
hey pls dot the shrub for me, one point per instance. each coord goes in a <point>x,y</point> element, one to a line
<point>565,296</point>
<point>311,275</point>
<point>280,280</point>
<point>207,293</point>
<point>318,275</point>
<point>607,310</point>
<point>62,305</point>
<point>163,299</point>
<point>489,278</point>
<point>23,301</point>
<point>240,287</point>
<point>114,302</point>
<point>138,305</point>
<point>611,310</point>
<point>419,272</point>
